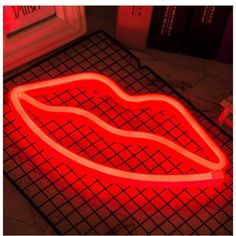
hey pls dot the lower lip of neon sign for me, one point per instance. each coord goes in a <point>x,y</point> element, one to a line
<point>215,169</point>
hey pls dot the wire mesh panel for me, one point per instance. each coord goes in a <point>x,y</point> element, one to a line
<point>74,202</point>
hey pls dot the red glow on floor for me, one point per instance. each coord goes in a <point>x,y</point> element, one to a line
<point>22,97</point>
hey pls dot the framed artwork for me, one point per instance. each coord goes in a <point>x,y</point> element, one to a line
<point>32,31</point>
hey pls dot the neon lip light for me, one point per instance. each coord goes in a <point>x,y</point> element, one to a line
<point>21,94</point>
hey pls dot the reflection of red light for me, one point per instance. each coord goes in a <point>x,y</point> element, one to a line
<point>23,94</point>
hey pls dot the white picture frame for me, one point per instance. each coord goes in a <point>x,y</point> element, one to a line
<point>68,24</point>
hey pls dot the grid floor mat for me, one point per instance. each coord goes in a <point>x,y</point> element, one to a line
<point>76,203</point>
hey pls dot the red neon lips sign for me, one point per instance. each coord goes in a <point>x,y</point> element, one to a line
<point>24,96</point>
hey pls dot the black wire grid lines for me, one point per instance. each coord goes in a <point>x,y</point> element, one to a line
<point>74,203</point>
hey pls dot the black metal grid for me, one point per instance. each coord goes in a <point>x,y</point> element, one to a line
<point>73,203</point>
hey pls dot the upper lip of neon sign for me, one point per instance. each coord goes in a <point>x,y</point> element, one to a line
<point>216,170</point>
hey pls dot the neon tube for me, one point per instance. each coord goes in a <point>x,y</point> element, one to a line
<point>19,94</point>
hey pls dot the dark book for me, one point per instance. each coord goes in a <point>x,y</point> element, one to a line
<point>225,52</point>
<point>132,25</point>
<point>205,31</point>
<point>167,27</point>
